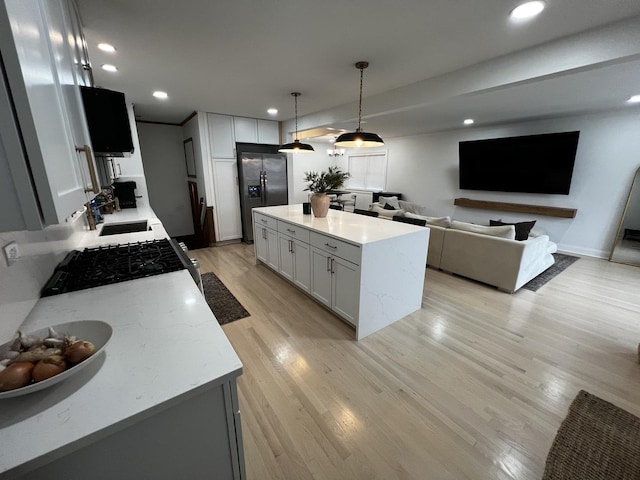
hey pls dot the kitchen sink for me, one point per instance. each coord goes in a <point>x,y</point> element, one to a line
<point>118,228</point>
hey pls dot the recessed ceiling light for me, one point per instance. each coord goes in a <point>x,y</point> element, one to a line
<point>468,121</point>
<point>634,99</point>
<point>272,111</point>
<point>106,47</point>
<point>109,68</point>
<point>160,94</point>
<point>527,10</point>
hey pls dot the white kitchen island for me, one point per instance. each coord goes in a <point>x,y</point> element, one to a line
<point>368,271</point>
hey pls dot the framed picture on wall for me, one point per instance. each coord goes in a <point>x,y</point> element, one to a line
<point>190,158</point>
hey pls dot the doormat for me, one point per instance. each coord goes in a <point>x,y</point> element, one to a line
<point>562,262</point>
<point>596,441</point>
<point>223,304</point>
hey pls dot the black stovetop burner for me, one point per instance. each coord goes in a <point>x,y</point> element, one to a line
<point>99,266</point>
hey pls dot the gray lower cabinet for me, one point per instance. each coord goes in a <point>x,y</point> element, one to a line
<point>266,246</point>
<point>199,437</point>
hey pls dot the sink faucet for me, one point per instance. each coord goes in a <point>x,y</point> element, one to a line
<point>90,217</point>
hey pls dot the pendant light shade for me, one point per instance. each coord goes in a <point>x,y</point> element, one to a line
<point>359,138</point>
<point>296,146</point>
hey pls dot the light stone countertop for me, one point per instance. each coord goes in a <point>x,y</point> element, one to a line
<point>357,229</point>
<point>166,347</point>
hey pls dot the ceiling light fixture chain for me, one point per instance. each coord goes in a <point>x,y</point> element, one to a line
<point>361,66</point>
<point>295,96</point>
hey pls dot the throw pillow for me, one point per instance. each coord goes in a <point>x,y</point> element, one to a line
<point>388,206</point>
<point>506,231</point>
<point>393,201</point>
<point>444,222</point>
<point>386,213</point>
<point>522,228</point>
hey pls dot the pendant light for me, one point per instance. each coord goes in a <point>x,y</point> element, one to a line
<point>359,138</point>
<point>296,146</point>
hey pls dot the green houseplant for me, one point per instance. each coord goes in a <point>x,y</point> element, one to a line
<point>321,183</point>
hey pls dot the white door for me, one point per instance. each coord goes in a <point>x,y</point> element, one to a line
<point>245,129</point>
<point>345,292</point>
<point>221,136</point>
<point>40,69</point>
<point>286,257</point>
<point>227,208</point>
<point>268,132</point>
<point>260,242</point>
<point>302,265</point>
<point>321,276</point>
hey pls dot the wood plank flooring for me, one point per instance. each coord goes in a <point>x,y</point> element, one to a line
<point>472,386</point>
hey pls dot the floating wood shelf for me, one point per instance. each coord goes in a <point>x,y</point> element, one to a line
<point>517,207</point>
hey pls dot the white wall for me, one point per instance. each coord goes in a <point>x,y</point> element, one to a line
<point>425,169</point>
<point>166,175</point>
<point>299,163</point>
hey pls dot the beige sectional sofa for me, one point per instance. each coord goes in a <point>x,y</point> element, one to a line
<point>505,263</point>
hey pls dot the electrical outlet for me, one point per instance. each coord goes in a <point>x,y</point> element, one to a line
<point>11,253</point>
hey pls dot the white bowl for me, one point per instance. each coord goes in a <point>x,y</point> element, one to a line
<point>97,332</point>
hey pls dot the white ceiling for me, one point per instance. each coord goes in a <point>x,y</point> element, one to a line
<point>241,57</point>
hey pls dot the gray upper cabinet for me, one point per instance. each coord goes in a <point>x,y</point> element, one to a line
<point>39,52</point>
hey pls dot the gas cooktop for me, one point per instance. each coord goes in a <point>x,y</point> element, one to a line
<point>99,266</point>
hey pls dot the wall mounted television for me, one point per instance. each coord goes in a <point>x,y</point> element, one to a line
<point>526,164</point>
<point>108,121</point>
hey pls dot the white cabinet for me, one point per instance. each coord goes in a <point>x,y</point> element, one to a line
<point>221,137</point>
<point>265,238</point>
<point>37,53</point>
<point>295,260</point>
<point>228,223</point>
<point>335,283</point>
<point>268,132</point>
<point>246,129</point>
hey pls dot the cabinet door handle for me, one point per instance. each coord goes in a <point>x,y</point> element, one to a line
<point>292,249</point>
<point>332,270</point>
<point>328,264</point>
<point>92,169</point>
<point>264,233</point>
<point>290,246</point>
<point>330,246</point>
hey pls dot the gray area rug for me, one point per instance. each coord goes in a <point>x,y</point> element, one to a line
<point>562,262</point>
<point>223,304</point>
<point>596,441</point>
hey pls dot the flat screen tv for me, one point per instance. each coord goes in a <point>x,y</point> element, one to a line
<point>107,119</point>
<point>527,164</point>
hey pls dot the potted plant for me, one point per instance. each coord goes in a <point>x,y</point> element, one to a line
<point>321,183</point>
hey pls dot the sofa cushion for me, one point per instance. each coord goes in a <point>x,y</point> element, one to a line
<point>386,213</point>
<point>444,222</point>
<point>522,228</point>
<point>413,208</point>
<point>393,201</point>
<point>506,231</point>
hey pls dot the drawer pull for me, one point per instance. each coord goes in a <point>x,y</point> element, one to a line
<point>290,231</point>
<point>263,220</point>
<point>330,246</point>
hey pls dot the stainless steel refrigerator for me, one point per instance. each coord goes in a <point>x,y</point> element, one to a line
<point>263,183</point>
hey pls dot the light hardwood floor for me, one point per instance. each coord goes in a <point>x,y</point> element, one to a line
<point>472,386</point>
